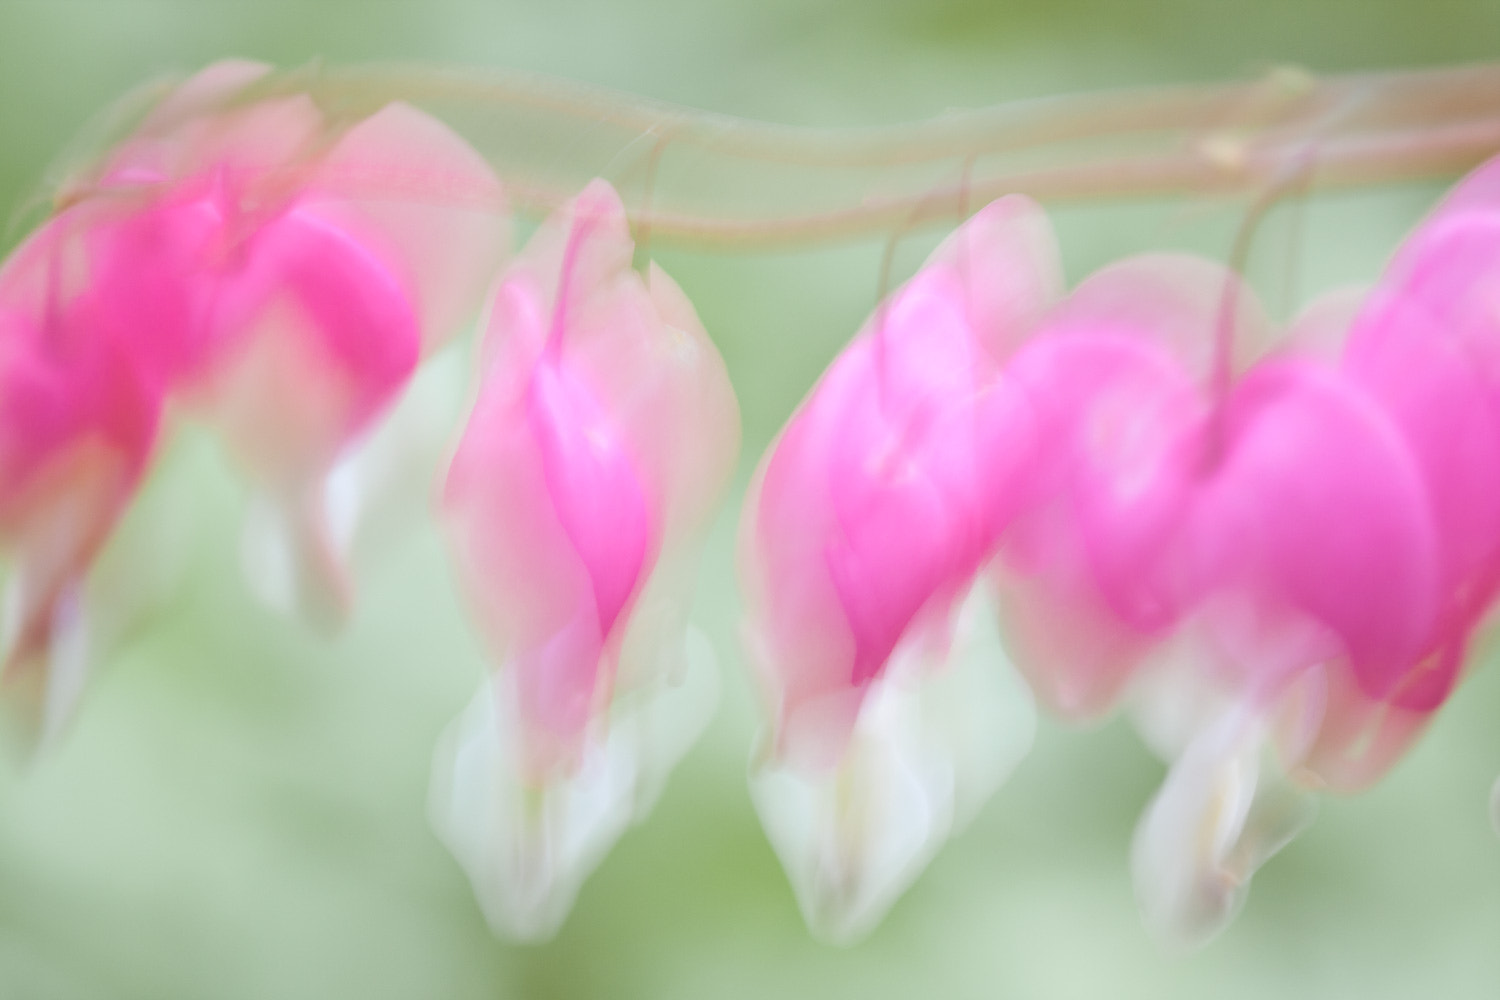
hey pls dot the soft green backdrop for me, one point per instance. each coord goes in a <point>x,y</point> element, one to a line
<point>239,810</point>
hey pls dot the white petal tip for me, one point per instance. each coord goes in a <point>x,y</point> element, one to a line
<point>935,737</point>
<point>853,839</point>
<point>528,848</point>
<point>664,722</point>
<point>293,562</point>
<point>1219,816</point>
<point>43,685</point>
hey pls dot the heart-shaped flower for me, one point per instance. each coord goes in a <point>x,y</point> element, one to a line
<point>603,436</point>
<point>862,538</point>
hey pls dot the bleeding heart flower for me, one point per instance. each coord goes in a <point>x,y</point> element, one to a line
<point>1313,559</point>
<point>1119,377</point>
<point>78,424</point>
<point>324,304</point>
<point>604,434</point>
<point>1348,546</point>
<point>1249,548</point>
<point>227,253</point>
<point>862,538</point>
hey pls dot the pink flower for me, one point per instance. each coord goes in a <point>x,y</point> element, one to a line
<point>1259,554</point>
<point>319,278</point>
<point>79,417</point>
<point>604,433</point>
<point>1346,549</point>
<point>1377,488</point>
<point>1091,577</point>
<point>1426,346</point>
<point>885,493</point>
<point>1311,552</point>
<point>325,297</point>
<point>862,538</point>
<point>222,256</point>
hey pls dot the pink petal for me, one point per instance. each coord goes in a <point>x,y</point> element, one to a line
<point>886,490</point>
<point>1319,510</point>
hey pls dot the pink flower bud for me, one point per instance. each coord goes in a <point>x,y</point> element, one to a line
<point>862,539</point>
<point>1092,574</point>
<point>885,493</point>
<point>221,255</point>
<point>604,434</point>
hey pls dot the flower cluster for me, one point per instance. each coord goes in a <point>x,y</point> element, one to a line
<point>242,261</point>
<point>1276,548</point>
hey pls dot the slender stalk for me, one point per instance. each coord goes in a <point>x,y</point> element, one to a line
<point>719,182</point>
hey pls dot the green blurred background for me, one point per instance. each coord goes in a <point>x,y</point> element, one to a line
<point>239,808</point>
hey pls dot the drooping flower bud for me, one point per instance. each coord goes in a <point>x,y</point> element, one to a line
<point>603,435</point>
<point>862,538</point>
<point>1120,379</point>
<point>78,426</point>
<point>1311,554</point>
<point>323,312</point>
<point>230,254</point>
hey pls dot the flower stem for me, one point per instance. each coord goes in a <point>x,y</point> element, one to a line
<point>719,182</point>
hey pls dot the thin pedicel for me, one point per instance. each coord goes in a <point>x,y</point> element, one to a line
<point>772,186</point>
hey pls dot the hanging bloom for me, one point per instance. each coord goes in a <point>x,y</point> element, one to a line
<point>78,424</point>
<point>94,317</point>
<point>603,436</point>
<point>220,254</point>
<point>1427,344</point>
<point>1313,550</point>
<point>1258,553</point>
<point>324,300</point>
<point>1100,584</point>
<point>862,538</point>
<point>1119,378</point>
<point>1349,547</point>
<point>312,276</point>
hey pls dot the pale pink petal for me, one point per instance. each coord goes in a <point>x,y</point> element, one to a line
<point>1092,574</point>
<point>416,189</point>
<point>1319,513</point>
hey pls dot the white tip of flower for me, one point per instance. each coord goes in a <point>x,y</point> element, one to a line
<point>977,710</point>
<point>68,664</point>
<point>293,561</point>
<point>664,721</point>
<point>383,485</point>
<point>45,683</point>
<point>1222,813</point>
<point>527,848</point>
<point>854,838</point>
<point>934,739</point>
<point>297,554</point>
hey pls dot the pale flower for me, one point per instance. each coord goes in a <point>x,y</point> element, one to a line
<point>603,436</point>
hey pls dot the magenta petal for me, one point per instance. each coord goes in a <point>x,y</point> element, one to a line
<point>1430,387</point>
<point>596,492</point>
<point>1092,571</point>
<point>1319,509</point>
<point>578,480</point>
<point>887,490</point>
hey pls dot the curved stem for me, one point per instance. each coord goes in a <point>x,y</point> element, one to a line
<point>735,184</point>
